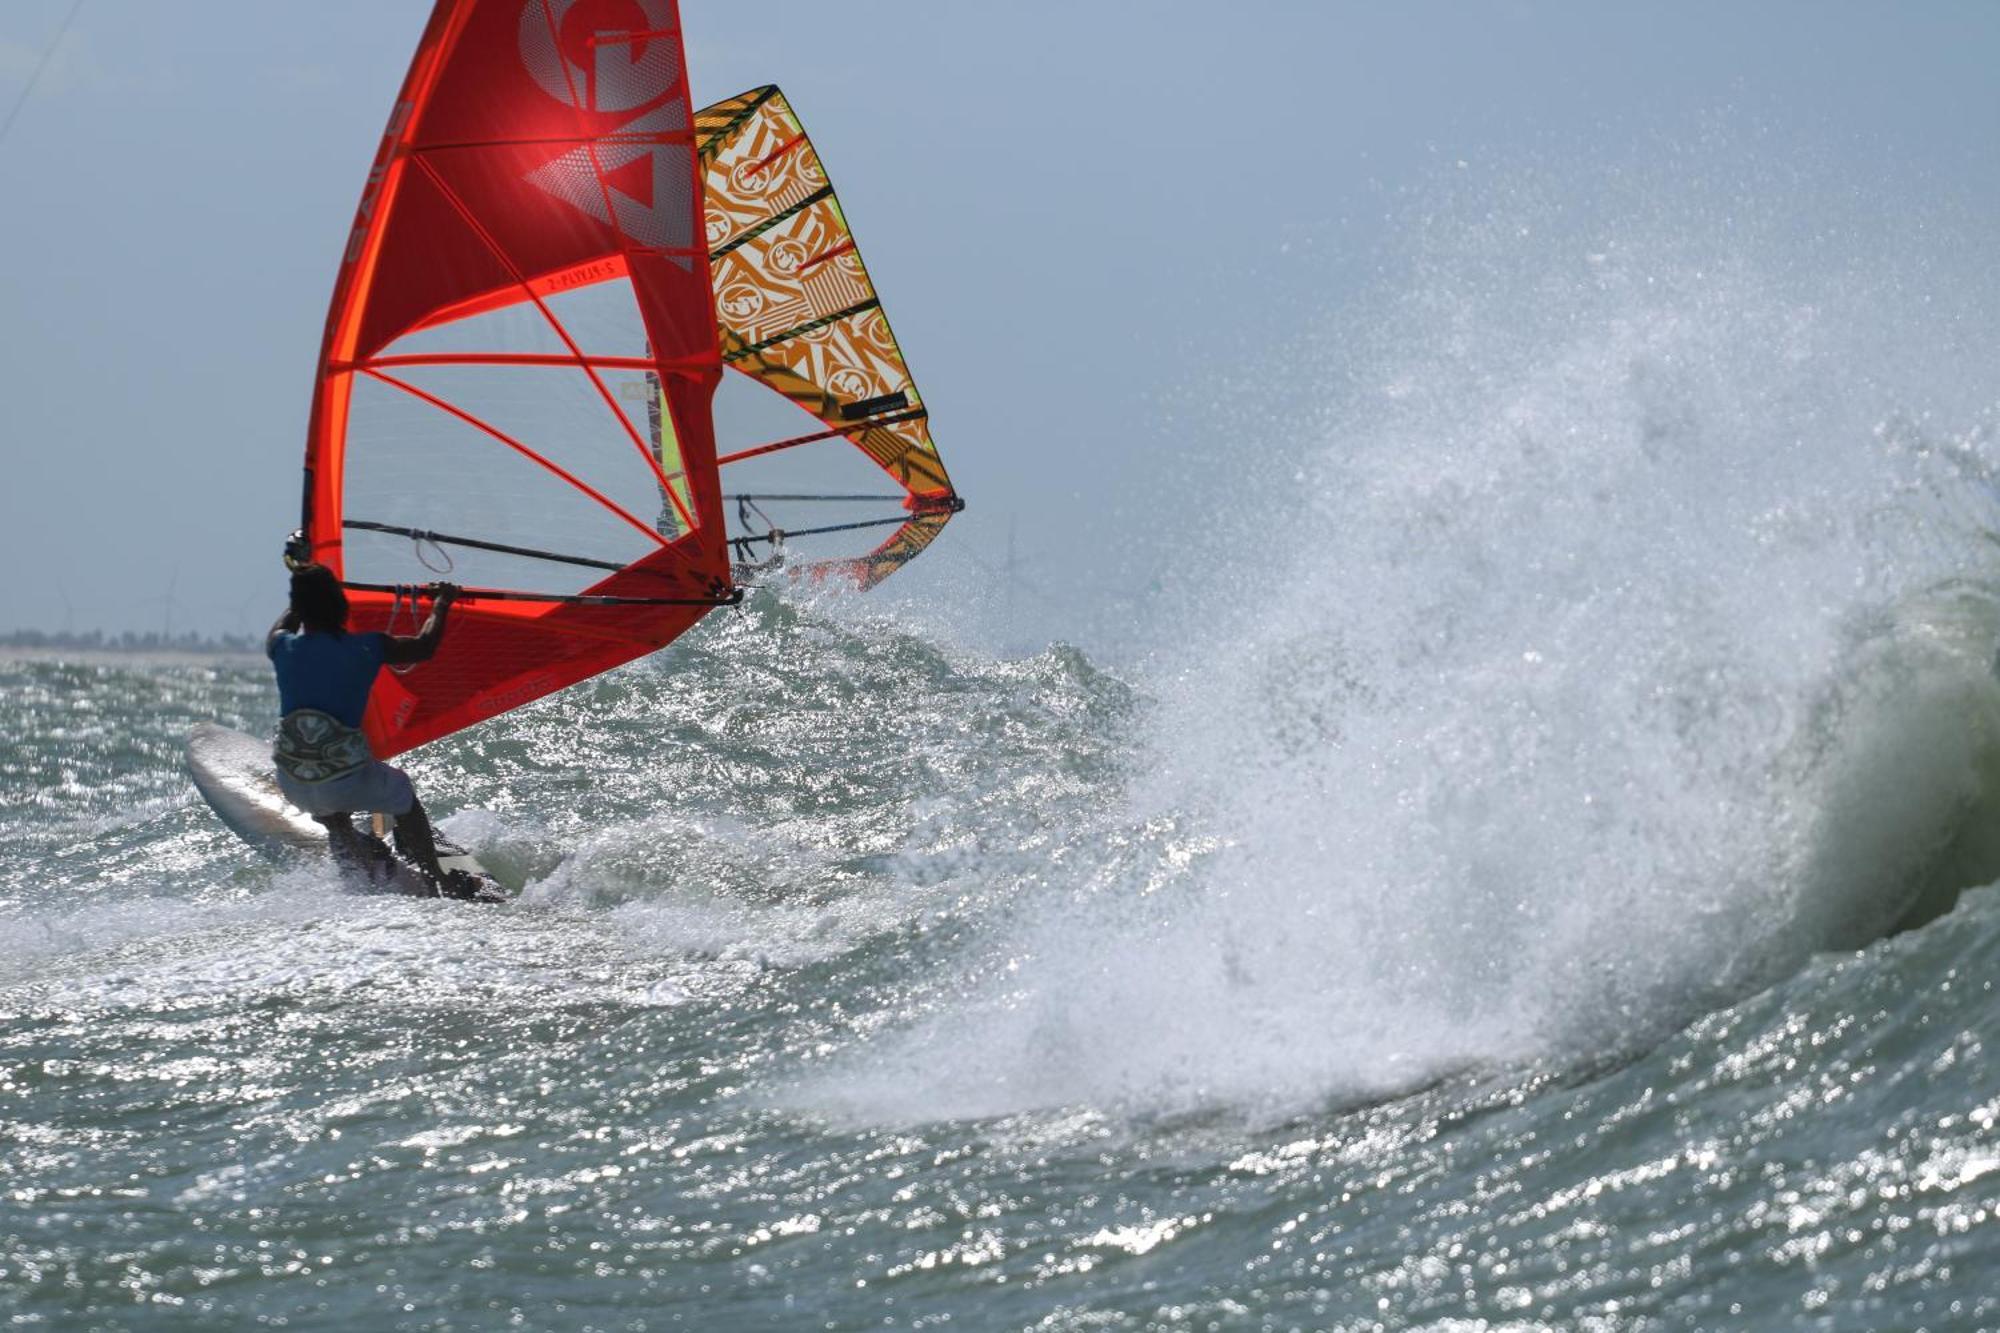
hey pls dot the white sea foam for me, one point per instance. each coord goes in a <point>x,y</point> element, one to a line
<point>1628,646</point>
<point>50,940</point>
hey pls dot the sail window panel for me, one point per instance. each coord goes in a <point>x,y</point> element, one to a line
<point>411,464</point>
<point>599,437</point>
<point>747,413</point>
<point>802,490</point>
<point>603,318</point>
<point>824,465</point>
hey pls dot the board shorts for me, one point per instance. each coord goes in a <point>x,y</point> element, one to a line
<point>375,787</point>
<point>325,768</point>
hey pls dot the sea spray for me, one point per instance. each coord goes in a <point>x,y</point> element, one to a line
<point>1626,638</point>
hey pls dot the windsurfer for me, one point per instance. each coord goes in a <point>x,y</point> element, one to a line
<point>325,675</point>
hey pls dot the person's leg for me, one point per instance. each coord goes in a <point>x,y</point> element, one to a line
<point>413,834</point>
<point>415,839</point>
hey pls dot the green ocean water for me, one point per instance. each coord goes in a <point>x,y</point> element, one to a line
<point>864,980</point>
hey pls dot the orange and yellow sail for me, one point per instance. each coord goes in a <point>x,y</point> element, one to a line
<point>797,312</point>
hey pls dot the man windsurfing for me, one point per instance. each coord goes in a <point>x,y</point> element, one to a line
<point>324,764</point>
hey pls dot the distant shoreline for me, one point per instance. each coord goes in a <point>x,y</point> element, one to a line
<point>103,656</point>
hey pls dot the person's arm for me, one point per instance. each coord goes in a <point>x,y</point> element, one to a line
<point>407,649</point>
<point>288,623</point>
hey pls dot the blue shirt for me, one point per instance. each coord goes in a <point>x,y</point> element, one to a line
<point>330,672</point>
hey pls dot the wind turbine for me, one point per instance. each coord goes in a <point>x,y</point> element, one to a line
<point>1009,572</point>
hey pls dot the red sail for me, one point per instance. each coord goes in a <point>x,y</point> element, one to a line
<point>526,266</point>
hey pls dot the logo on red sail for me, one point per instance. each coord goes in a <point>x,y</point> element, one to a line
<point>613,57</point>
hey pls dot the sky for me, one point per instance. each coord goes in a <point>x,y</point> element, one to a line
<point>1096,223</point>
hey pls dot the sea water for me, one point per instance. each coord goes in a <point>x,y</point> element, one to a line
<point>853,986</point>
<point>1489,924</point>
